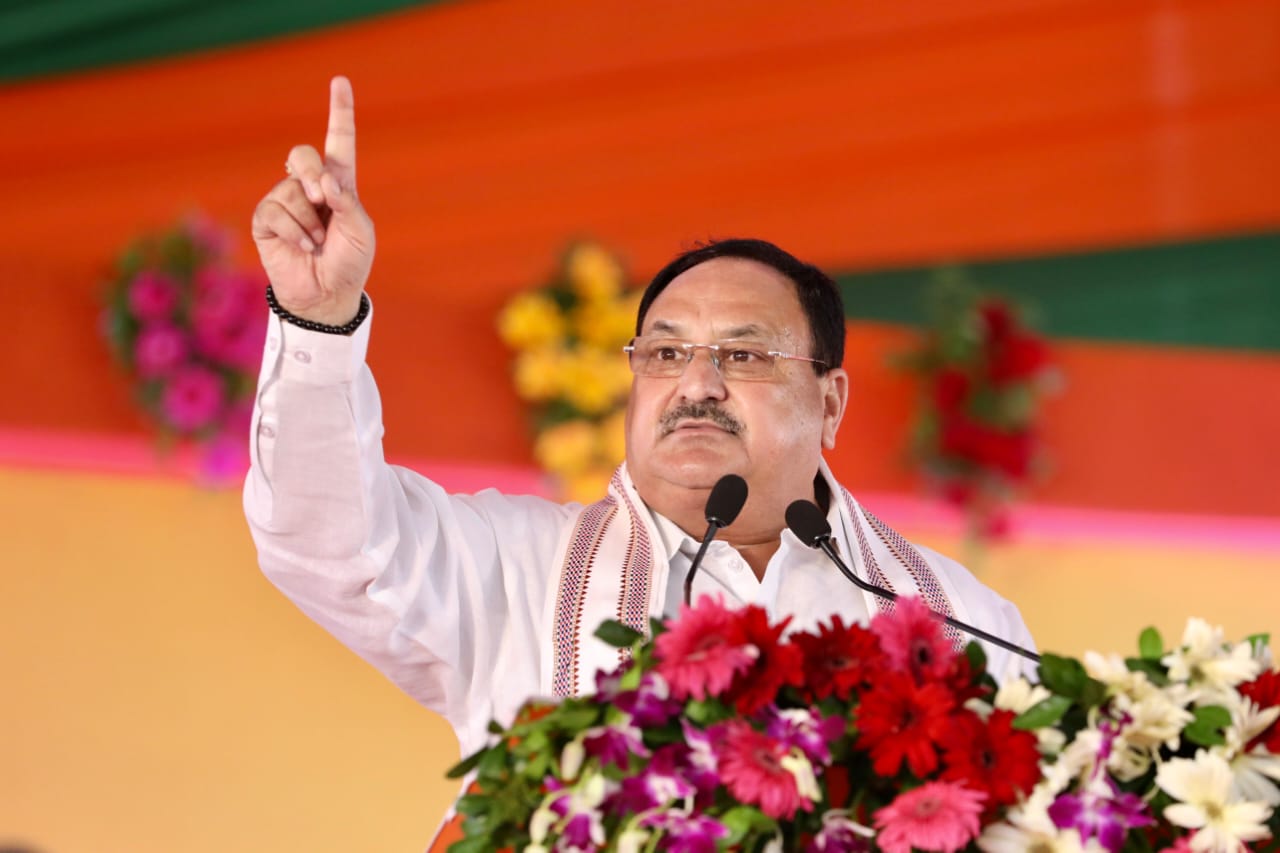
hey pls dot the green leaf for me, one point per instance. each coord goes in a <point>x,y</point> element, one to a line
<point>492,762</point>
<point>1153,669</point>
<point>1064,676</point>
<point>743,820</point>
<point>1044,713</point>
<point>977,657</point>
<point>1206,727</point>
<point>576,719</point>
<point>618,635</point>
<point>474,844</point>
<point>1150,644</point>
<point>473,804</point>
<point>466,765</point>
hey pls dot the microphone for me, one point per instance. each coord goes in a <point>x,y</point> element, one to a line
<point>723,505</point>
<point>810,526</point>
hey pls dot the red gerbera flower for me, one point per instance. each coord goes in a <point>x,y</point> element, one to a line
<point>912,639</point>
<point>750,764</point>
<point>1264,691</point>
<point>899,719</point>
<point>837,660</point>
<point>962,684</point>
<point>776,663</point>
<point>991,756</point>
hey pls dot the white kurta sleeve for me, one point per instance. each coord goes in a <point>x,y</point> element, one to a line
<point>444,594</point>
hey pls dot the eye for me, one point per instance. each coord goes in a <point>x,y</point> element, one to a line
<point>665,352</point>
<point>744,356</point>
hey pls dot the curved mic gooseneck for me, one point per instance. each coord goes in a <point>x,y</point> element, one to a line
<point>810,526</point>
<point>726,500</point>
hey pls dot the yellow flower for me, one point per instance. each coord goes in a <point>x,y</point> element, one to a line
<point>538,374</point>
<point>531,320</point>
<point>607,324</point>
<point>594,273</point>
<point>587,486</point>
<point>613,438</point>
<point>566,448</point>
<point>589,380</point>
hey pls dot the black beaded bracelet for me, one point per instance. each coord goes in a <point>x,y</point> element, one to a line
<point>313,326</point>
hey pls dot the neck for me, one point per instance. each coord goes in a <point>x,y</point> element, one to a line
<point>756,533</point>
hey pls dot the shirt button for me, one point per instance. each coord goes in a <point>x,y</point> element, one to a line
<point>266,431</point>
<point>302,356</point>
<point>273,344</point>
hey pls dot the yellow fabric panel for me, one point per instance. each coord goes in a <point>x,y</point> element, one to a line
<point>161,696</point>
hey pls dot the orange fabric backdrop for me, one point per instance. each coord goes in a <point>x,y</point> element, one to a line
<point>855,134</point>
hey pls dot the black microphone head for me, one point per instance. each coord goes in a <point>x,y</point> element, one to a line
<point>726,500</point>
<point>808,523</point>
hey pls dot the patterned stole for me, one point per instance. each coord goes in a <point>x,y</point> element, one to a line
<point>609,569</point>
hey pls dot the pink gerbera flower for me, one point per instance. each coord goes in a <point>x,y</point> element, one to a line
<point>912,639</point>
<point>752,768</point>
<point>703,649</point>
<point>193,398</point>
<point>937,816</point>
<point>153,296</point>
<point>159,349</point>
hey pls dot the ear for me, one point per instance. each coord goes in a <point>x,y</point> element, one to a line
<point>835,396</point>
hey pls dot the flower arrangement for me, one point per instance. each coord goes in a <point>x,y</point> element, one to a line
<point>568,338</point>
<point>188,328</point>
<point>722,732</point>
<point>982,373</point>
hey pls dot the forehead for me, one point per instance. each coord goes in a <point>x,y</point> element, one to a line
<point>728,297</point>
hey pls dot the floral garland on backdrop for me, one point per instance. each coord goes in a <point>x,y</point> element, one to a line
<point>187,326</point>
<point>568,338</point>
<point>720,733</point>
<point>982,374</point>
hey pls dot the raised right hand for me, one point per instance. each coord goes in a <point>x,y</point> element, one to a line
<point>313,235</point>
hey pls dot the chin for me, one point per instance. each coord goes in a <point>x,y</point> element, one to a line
<point>697,470</point>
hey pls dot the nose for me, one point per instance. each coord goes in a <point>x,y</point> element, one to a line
<point>701,379</point>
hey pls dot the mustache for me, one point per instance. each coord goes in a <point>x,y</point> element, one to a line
<point>700,411</point>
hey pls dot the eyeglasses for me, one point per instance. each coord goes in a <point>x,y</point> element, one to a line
<point>741,360</point>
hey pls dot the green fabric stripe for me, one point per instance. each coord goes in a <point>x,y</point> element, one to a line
<point>1220,293</point>
<point>51,36</point>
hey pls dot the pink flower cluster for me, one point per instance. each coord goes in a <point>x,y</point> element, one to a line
<point>190,329</point>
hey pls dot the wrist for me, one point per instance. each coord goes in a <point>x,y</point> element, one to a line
<point>341,319</point>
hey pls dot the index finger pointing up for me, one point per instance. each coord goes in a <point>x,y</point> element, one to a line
<point>340,141</point>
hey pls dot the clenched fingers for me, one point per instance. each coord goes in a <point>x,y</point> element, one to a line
<point>286,213</point>
<point>306,166</point>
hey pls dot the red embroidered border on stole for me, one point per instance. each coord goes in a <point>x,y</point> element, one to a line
<point>574,575</point>
<point>637,571</point>
<point>874,575</point>
<point>926,580</point>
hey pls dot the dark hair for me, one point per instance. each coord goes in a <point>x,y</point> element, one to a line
<point>818,294</point>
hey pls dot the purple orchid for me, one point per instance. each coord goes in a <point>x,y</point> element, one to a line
<point>839,834</point>
<point>650,704</point>
<point>1107,819</point>
<point>661,783</point>
<point>615,744</point>
<point>801,728</point>
<point>686,833</point>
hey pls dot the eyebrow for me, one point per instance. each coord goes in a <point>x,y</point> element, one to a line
<point>747,331</point>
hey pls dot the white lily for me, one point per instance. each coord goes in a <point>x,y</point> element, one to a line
<point>1203,787</point>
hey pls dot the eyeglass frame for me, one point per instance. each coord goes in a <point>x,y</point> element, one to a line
<point>713,351</point>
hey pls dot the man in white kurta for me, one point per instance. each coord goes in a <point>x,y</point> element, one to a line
<point>474,603</point>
